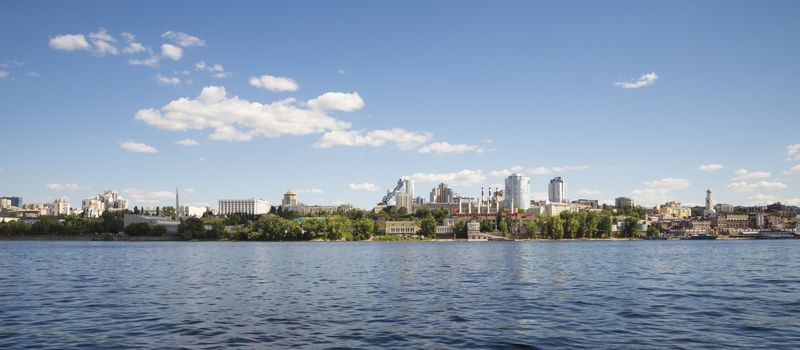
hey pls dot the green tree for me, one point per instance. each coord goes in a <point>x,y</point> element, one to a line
<point>653,231</point>
<point>138,229</point>
<point>629,227</point>
<point>168,211</point>
<point>531,228</point>
<point>605,225</point>
<point>556,227</point>
<point>364,228</point>
<point>428,227</point>
<point>192,228</point>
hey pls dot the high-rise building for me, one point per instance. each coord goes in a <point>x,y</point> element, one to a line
<point>60,207</point>
<point>405,198</point>
<point>246,206</point>
<point>622,202</point>
<point>515,194</point>
<point>557,190</point>
<point>442,194</point>
<point>5,202</point>
<point>14,201</point>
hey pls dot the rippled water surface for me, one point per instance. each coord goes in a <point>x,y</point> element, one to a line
<point>636,295</point>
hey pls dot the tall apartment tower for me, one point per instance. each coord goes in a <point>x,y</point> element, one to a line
<point>557,190</point>
<point>709,204</point>
<point>516,192</point>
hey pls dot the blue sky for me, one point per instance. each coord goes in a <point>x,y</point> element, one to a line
<point>339,99</point>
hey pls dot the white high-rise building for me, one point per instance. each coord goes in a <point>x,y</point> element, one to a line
<point>557,191</point>
<point>246,206</point>
<point>516,192</point>
<point>405,198</point>
<point>60,207</point>
<point>709,211</point>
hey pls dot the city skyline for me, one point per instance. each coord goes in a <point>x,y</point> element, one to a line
<point>339,108</point>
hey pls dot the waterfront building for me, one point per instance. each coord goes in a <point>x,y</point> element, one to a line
<point>557,190</point>
<point>251,206</point>
<point>168,223</point>
<point>93,207</point>
<point>405,198</point>
<point>516,191</point>
<point>553,209</point>
<point>408,227</point>
<point>622,202</point>
<point>586,204</point>
<point>727,223</point>
<point>60,207</point>
<point>5,202</point>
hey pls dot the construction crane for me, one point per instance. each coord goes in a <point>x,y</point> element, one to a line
<point>390,194</point>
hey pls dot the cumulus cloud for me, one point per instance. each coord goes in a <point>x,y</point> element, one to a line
<point>506,172</point>
<point>216,70</point>
<point>793,152</point>
<point>742,186</point>
<point>3,74</point>
<point>183,39</point>
<point>465,177</point>
<point>588,192</point>
<point>710,167</point>
<point>792,201</point>
<point>138,147</point>
<point>744,174</point>
<point>762,199</point>
<point>103,43</point>
<point>446,147</point>
<point>235,119</point>
<point>174,81</point>
<point>341,101</point>
<point>187,142</point>
<point>363,187</point>
<point>151,61</point>
<point>143,196</point>
<point>64,187</point>
<point>644,80</point>
<point>659,190</point>
<point>69,42</point>
<point>795,170</point>
<point>402,138</point>
<point>171,51</point>
<point>275,84</point>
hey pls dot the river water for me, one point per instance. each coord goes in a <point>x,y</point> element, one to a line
<point>547,295</point>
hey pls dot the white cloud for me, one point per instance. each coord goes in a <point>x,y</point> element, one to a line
<point>3,74</point>
<point>542,170</point>
<point>793,152</point>
<point>69,42</point>
<point>234,119</point>
<point>795,170</point>
<point>659,190</point>
<point>462,178</point>
<point>174,81</point>
<point>275,84</point>
<point>217,69</point>
<point>710,167</point>
<point>743,174</point>
<point>644,80</point>
<point>183,39</point>
<point>761,199</point>
<point>446,147</point>
<point>138,147</point>
<point>587,192</point>
<point>341,101</point>
<point>128,36</point>
<point>742,186</point>
<point>402,138</point>
<point>64,187</point>
<point>506,172</point>
<point>187,142</point>
<point>133,48</point>
<point>103,43</point>
<point>151,61</point>
<point>363,187</point>
<point>792,201</point>
<point>171,51</point>
<point>311,191</point>
<point>143,196</point>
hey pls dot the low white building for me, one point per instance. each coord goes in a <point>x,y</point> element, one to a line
<point>251,206</point>
<point>190,211</point>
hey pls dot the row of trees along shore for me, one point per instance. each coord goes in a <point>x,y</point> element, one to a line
<point>353,225</point>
